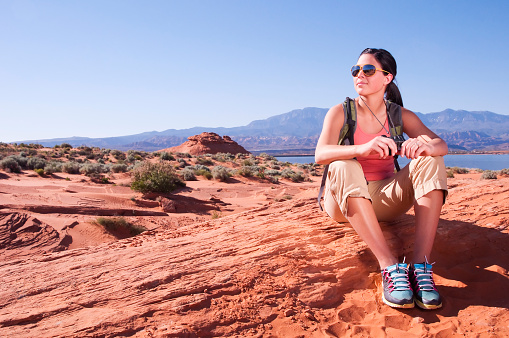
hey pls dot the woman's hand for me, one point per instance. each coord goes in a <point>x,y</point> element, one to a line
<point>415,147</point>
<point>383,146</point>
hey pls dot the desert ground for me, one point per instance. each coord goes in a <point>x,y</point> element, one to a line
<point>247,257</point>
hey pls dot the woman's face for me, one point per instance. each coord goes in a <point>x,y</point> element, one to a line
<point>374,84</point>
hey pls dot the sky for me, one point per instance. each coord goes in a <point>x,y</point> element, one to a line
<point>101,68</point>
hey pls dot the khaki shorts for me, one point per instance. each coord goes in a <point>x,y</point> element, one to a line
<point>390,197</point>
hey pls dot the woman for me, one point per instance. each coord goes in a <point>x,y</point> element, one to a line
<point>363,189</point>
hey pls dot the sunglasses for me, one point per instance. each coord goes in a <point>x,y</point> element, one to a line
<point>368,70</point>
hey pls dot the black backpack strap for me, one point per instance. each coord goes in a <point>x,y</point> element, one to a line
<point>345,137</point>
<point>322,186</point>
<point>395,124</point>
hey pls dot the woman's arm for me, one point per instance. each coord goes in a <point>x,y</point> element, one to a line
<point>422,141</point>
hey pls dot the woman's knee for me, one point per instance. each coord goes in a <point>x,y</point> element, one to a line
<point>345,168</point>
<point>433,165</point>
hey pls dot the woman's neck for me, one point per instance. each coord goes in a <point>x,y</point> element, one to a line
<point>370,103</point>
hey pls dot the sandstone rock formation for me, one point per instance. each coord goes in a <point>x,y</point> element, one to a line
<point>278,270</point>
<point>208,143</point>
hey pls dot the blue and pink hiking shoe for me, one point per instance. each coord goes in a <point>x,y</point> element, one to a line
<point>425,293</point>
<point>397,291</point>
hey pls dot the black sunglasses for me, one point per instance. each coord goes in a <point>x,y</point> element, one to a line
<point>368,70</point>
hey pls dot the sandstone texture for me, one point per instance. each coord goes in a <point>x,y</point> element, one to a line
<point>261,267</point>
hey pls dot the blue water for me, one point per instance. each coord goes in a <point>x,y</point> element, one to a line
<point>485,162</point>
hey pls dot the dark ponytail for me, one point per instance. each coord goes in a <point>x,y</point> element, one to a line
<point>388,63</point>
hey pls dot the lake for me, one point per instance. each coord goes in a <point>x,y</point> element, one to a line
<point>475,161</point>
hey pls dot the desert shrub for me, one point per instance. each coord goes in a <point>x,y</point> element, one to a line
<point>248,163</point>
<point>66,145</point>
<point>184,155</point>
<point>292,175</point>
<point>303,166</point>
<point>36,163</point>
<point>272,172</point>
<point>53,167</point>
<point>204,161</point>
<point>118,168</point>
<point>71,168</point>
<point>489,175</point>
<point>450,174</point>
<point>267,157</point>
<point>118,224</point>
<point>166,156</point>
<point>21,159</point>
<point>155,177</point>
<point>39,172</point>
<point>248,171</point>
<point>458,170</point>
<point>118,155</point>
<point>188,174</point>
<point>504,172</point>
<point>90,169</point>
<point>220,173</point>
<point>9,164</point>
<point>223,157</point>
<point>283,198</point>
<point>204,173</point>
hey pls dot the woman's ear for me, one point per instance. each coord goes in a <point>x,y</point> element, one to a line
<point>388,79</point>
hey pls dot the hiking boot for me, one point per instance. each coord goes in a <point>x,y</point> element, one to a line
<point>397,291</point>
<point>425,292</point>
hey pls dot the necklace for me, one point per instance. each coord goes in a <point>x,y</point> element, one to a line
<point>375,116</point>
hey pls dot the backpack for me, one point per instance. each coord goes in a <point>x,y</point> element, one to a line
<point>348,130</point>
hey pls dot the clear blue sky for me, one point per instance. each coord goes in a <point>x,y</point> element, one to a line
<point>99,68</point>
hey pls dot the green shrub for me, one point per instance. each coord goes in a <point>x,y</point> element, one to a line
<point>223,157</point>
<point>155,177</point>
<point>118,168</point>
<point>90,169</point>
<point>204,173</point>
<point>39,172</point>
<point>450,174</point>
<point>457,170</point>
<point>118,155</point>
<point>118,224</point>
<point>188,174</point>
<point>36,163</point>
<point>248,171</point>
<point>22,160</point>
<point>166,156</point>
<point>292,175</point>
<point>204,161</point>
<point>489,175</point>
<point>71,168</point>
<point>9,164</point>
<point>283,198</point>
<point>53,167</point>
<point>272,172</point>
<point>220,173</point>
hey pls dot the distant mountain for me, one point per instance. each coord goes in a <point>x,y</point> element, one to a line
<point>300,128</point>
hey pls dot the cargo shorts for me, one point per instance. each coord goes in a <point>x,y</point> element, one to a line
<point>390,197</point>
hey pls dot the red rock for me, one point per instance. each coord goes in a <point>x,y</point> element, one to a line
<point>208,143</point>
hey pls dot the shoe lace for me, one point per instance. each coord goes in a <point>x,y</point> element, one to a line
<point>424,276</point>
<point>397,278</point>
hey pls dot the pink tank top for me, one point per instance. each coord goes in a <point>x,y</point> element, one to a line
<point>374,168</point>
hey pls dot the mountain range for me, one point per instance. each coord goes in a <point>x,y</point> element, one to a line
<point>298,130</point>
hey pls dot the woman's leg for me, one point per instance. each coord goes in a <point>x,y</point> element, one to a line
<point>347,199</point>
<point>362,217</point>
<point>427,213</point>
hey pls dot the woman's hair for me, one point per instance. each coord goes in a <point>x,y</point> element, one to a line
<point>388,63</point>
